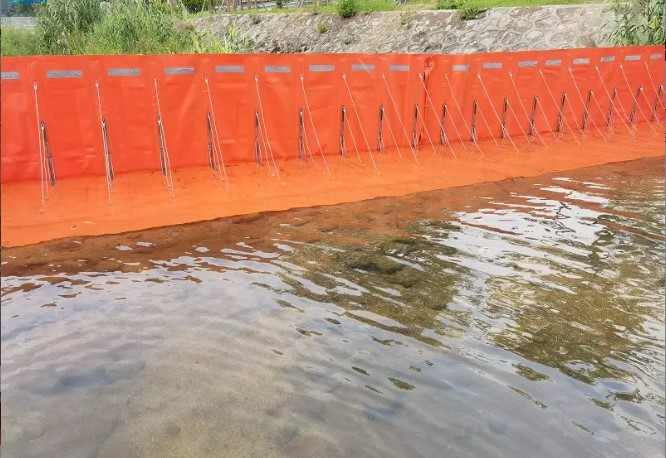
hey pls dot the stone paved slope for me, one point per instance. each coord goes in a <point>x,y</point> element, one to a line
<point>498,29</point>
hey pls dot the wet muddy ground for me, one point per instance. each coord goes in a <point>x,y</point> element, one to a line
<point>518,318</point>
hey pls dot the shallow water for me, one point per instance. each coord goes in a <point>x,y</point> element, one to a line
<point>521,318</point>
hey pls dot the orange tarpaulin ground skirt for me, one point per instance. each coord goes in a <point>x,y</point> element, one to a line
<point>140,200</point>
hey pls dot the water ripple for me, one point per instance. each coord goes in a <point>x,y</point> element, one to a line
<point>509,319</point>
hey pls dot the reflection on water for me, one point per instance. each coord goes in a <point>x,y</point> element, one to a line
<point>520,318</point>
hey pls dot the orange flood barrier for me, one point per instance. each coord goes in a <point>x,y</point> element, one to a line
<point>107,144</point>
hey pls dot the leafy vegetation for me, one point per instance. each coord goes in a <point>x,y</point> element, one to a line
<point>197,6</point>
<point>62,25</point>
<point>471,12</point>
<point>638,22</point>
<point>347,8</point>
<point>367,6</point>
<point>486,4</point>
<point>19,42</point>
<point>362,6</point>
<point>448,4</point>
<point>118,27</point>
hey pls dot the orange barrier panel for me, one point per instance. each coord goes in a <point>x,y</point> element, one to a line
<point>119,117</point>
<point>18,136</point>
<point>324,94</point>
<point>490,95</point>
<point>67,107</point>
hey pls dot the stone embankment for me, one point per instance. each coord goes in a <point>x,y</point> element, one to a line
<point>498,29</point>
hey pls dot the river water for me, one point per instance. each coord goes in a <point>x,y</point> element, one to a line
<point>513,319</point>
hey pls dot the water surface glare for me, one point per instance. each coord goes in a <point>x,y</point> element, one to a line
<point>514,319</point>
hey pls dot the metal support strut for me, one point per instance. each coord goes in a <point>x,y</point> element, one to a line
<point>212,162</point>
<point>442,134</point>
<point>258,155</point>
<point>505,109</point>
<point>634,106</point>
<point>559,124</point>
<point>656,103</point>
<point>611,109</point>
<point>301,135</point>
<point>160,136</point>
<point>531,130</point>
<point>416,135</point>
<point>475,108</point>
<point>343,115</point>
<point>49,163</point>
<point>165,161</point>
<point>106,143</point>
<point>586,110</point>
<point>107,149</point>
<point>380,129</point>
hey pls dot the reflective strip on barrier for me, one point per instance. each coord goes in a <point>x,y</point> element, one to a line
<point>553,62</point>
<point>656,56</point>
<point>398,68</point>
<point>606,59</point>
<point>230,69</point>
<point>527,63</point>
<point>460,67</point>
<point>632,57</point>
<point>581,61</point>
<point>10,75</point>
<point>321,68</point>
<point>123,72</point>
<point>362,67</point>
<point>492,65</point>
<point>277,69</point>
<point>55,74</point>
<point>178,71</point>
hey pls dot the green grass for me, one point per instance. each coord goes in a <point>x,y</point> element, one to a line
<point>364,6</point>
<point>499,3</point>
<point>368,6</point>
<point>19,42</point>
<point>485,4</point>
<point>122,27</point>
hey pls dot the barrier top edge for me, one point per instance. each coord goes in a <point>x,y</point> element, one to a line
<point>288,56</point>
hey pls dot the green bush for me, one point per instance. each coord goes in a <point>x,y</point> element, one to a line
<point>197,6</point>
<point>234,41</point>
<point>347,8</point>
<point>471,12</point>
<point>121,27</point>
<point>638,22</point>
<point>63,24</point>
<point>322,27</point>
<point>131,27</point>
<point>448,4</point>
<point>19,42</point>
